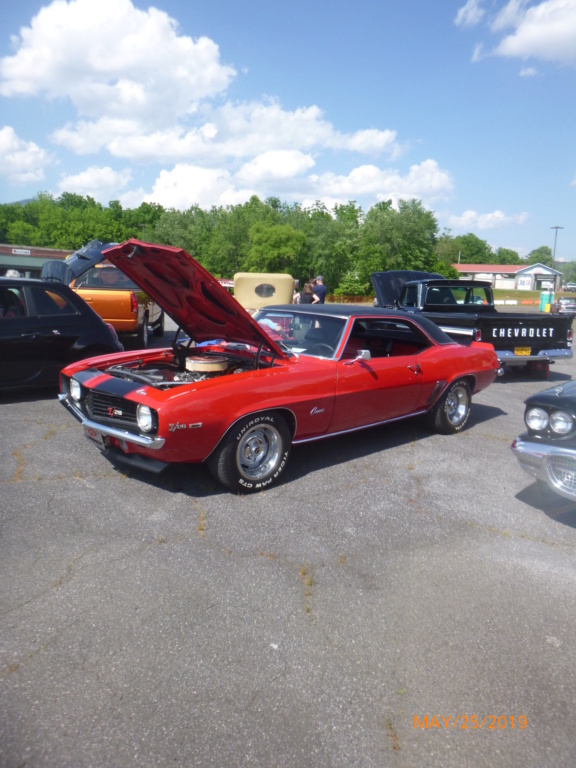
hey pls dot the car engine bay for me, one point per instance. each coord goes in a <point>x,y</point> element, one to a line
<point>188,365</point>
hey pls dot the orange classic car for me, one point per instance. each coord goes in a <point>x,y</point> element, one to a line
<point>239,391</point>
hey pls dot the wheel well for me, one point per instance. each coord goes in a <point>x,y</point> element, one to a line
<point>470,380</point>
<point>285,413</point>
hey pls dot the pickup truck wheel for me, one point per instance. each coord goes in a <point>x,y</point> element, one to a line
<point>142,334</point>
<point>538,369</point>
<point>253,455</point>
<point>451,412</point>
<point>159,327</point>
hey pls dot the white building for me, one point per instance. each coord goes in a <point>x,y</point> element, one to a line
<point>534,277</point>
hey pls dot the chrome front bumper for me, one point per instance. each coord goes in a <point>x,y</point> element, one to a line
<point>553,465</point>
<point>144,441</point>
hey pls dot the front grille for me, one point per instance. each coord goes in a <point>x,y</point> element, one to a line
<point>563,472</point>
<point>112,410</point>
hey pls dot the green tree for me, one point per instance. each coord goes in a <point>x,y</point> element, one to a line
<point>507,256</point>
<point>397,239</point>
<point>473,250</point>
<point>541,255</point>
<point>274,248</point>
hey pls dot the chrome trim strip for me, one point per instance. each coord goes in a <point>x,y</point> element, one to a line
<point>120,434</point>
<point>455,331</point>
<point>357,429</point>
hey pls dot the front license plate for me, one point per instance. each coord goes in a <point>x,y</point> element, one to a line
<point>95,437</point>
<point>522,350</point>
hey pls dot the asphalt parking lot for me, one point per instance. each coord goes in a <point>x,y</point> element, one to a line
<point>402,599</point>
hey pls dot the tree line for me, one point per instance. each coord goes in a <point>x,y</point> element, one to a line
<point>344,244</point>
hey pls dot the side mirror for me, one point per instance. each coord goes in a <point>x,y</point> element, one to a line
<point>363,355</point>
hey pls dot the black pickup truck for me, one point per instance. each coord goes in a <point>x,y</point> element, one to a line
<point>465,310</point>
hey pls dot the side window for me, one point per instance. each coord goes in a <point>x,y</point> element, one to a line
<point>385,338</point>
<point>410,298</point>
<point>11,303</point>
<point>48,301</point>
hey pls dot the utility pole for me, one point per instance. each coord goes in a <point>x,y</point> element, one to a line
<point>555,238</point>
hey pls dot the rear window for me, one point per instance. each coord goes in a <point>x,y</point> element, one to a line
<point>105,277</point>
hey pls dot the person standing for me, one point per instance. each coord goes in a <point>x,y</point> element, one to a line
<point>320,289</point>
<point>306,295</point>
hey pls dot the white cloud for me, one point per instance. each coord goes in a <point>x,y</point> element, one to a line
<point>187,185</point>
<point>470,14</point>
<point>528,72</point>
<point>21,161</point>
<point>470,220</point>
<point>509,16</point>
<point>111,58</point>
<point>101,183</point>
<point>274,165</point>
<point>545,30</point>
<point>231,131</point>
<point>425,181</point>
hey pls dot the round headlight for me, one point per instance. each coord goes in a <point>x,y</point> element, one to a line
<point>144,418</point>
<point>536,419</point>
<point>75,390</point>
<point>561,422</point>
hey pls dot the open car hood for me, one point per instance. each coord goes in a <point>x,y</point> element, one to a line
<point>188,293</point>
<point>388,286</point>
<point>76,264</point>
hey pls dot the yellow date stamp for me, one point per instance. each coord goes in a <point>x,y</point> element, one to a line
<point>470,722</point>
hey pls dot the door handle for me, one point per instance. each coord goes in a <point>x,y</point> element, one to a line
<point>414,368</point>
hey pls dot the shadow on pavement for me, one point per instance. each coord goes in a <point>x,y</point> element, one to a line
<point>554,506</point>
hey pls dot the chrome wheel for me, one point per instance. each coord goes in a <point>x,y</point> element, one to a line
<point>457,404</point>
<point>259,451</point>
<point>451,412</point>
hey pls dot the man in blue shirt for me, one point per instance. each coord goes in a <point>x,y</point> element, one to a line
<point>320,289</point>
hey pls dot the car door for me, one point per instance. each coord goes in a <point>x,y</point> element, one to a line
<point>49,332</point>
<point>18,359</point>
<point>387,386</point>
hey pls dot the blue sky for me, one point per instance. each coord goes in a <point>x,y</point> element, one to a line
<point>467,106</point>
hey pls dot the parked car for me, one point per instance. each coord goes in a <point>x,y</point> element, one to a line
<point>565,305</point>
<point>242,390</point>
<point>110,293</point>
<point>547,450</point>
<point>43,327</point>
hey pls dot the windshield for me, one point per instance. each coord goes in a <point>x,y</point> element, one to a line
<point>303,333</point>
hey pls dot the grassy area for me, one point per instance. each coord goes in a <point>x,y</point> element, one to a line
<point>520,296</point>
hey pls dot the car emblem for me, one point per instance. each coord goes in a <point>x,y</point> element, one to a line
<point>114,411</point>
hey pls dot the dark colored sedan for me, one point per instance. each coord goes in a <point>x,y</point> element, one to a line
<point>547,451</point>
<point>44,326</point>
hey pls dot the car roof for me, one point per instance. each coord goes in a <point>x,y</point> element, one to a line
<point>347,311</point>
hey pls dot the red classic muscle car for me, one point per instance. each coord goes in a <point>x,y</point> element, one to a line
<point>241,390</point>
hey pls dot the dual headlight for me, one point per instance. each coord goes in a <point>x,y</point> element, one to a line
<point>539,420</point>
